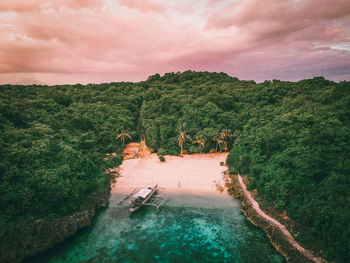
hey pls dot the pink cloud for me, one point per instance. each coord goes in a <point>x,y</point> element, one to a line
<point>332,31</point>
<point>293,11</point>
<point>142,5</point>
<point>107,40</point>
<point>20,6</point>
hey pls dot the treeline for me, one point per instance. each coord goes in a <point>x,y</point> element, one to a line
<point>295,148</point>
<point>53,141</point>
<point>290,138</point>
<point>202,106</point>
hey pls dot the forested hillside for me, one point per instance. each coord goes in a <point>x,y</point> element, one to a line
<point>292,139</point>
<point>53,141</point>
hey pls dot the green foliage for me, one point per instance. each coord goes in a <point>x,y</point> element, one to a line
<point>296,154</point>
<point>291,139</point>
<point>53,140</point>
<point>160,152</point>
<point>202,101</point>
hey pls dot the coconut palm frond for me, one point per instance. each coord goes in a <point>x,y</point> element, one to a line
<point>122,136</point>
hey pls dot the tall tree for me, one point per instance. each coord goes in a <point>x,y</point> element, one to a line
<point>224,135</point>
<point>122,136</point>
<point>181,140</point>
<point>219,143</point>
<point>201,142</point>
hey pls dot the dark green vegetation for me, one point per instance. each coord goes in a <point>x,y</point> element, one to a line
<point>53,141</point>
<point>291,138</point>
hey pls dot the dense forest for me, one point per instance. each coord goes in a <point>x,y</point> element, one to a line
<point>53,141</point>
<point>292,140</point>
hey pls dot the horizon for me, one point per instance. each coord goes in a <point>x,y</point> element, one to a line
<point>161,76</point>
<point>103,41</point>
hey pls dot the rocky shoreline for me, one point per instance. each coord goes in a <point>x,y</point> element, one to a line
<point>37,236</point>
<point>278,235</point>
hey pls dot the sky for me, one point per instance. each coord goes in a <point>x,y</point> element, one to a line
<point>97,41</point>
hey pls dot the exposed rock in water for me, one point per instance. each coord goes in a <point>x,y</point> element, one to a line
<point>37,236</point>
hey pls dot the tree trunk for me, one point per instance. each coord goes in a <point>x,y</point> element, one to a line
<point>225,147</point>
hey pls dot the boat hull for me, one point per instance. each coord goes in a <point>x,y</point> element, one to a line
<point>154,190</point>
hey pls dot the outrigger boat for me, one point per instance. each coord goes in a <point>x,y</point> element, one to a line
<point>154,196</point>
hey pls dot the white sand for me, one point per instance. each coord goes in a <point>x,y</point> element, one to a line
<point>194,174</point>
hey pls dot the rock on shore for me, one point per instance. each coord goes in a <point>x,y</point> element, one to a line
<point>37,236</point>
<point>279,237</point>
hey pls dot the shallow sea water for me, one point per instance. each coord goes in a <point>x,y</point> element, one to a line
<point>191,228</point>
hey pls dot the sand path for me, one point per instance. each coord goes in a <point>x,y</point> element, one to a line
<point>291,240</point>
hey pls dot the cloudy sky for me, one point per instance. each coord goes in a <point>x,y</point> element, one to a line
<point>93,41</point>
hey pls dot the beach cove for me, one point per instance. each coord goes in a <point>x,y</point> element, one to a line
<point>199,223</point>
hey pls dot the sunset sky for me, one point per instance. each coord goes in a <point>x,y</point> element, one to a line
<point>94,41</point>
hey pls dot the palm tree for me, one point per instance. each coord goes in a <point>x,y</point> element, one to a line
<point>201,142</point>
<point>219,142</point>
<point>122,136</point>
<point>181,140</point>
<point>224,135</point>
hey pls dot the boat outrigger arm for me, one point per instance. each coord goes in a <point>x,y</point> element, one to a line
<point>151,196</point>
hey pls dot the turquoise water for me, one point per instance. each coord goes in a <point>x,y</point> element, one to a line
<point>188,229</point>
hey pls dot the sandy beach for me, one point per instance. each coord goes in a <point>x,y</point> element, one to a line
<point>193,174</point>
